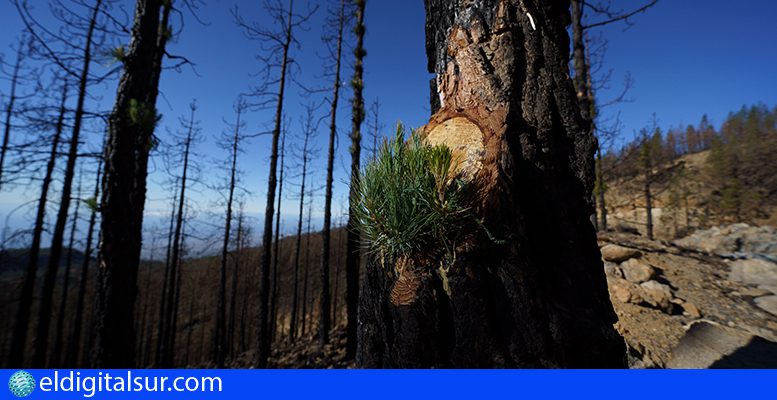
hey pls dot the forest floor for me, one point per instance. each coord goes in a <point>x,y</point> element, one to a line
<point>677,288</point>
<point>701,290</point>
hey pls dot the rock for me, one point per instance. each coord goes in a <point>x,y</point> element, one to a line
<point>637,271</point>
<point>753,272</point>
<point>625,291</point>
<point>617,254</point>
<point>769,288</point>
<point>709,345</point>
<point>691,310</point>
<point>612,270</point>
<point>657,295</point>
<point>739,240</point>
<point>753,292</point>
<point>767,303</point>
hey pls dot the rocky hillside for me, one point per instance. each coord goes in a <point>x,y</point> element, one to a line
<point>724,276</point>
<point>681,200</point>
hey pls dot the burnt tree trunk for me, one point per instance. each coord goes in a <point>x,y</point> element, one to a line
<point>582,82</point>
<point>537,297</point>
<point>277,244</point>
<point>55,358</point>
<point>233,289</point>
<point>601,189</point>
<point>352,254</point>
<point>173,290</point>
<point>41,340</point>
<point>263,333</point>
<point>324,313</point>
<point>307,273</point>
<point>162,321</point>
<point>298,241</point>
<point>130,139</point>
<point>73,354</point>
<point>19,338</point>
<point>220,337</point>
<point>9,108</point>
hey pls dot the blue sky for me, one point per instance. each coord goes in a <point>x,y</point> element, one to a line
<point>686,58</point>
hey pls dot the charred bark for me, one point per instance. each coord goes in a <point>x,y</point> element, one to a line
<point>277,249</point>
<point>537,297</point>
<point>263,334</point>
<point>220,337</point>
<point>324,312</point>
<point>41,341</point>
<point>353,255</point>
<point>55,358</point>
<point>19,338</point>
<point>130,140</point>
<point>73,354</point>
<point>9,108</point>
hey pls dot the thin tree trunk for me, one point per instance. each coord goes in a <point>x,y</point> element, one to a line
<point>648,204</point>
<point>163,322</point>
<point>263,334</point>
<point>175,272</point>
<point>324,313</point>
<point>220,340</point>
<point>176,301</point>
<point>233,298</point>
<point>298,243</point>
<point>9,108</point>
<point>19,338</point>
<point>305,278</point>
<point>537,297</point>
<point>74,342</point>
<point>130,139</point>
<point>353,255</point>
<point>56,358</point>
<point>41,341</point>
<point>600,190</point>
<point>277,249</point>
<point>143,340</point>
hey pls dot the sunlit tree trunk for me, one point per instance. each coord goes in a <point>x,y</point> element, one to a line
<point>535,295</point>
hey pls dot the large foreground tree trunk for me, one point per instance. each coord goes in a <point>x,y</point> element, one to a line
<point>536,297</point>
<point>130,139</point>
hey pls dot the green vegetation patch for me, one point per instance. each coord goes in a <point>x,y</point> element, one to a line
<point>408,203</point>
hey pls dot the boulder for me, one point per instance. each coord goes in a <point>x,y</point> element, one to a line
<point>691,310</point>
<point>736,240</point>
<point>612,270</point>
<point>625,291</point>
<point>754,272</point>
<point>657,295</point>
<point>709,345</point>
<point>617,254</point>
<point>636,271</point>
<point>767,303</point>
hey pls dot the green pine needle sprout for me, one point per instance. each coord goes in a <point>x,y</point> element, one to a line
<point>408,202</point>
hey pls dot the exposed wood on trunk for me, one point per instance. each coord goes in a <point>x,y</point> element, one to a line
<point>538,297</point>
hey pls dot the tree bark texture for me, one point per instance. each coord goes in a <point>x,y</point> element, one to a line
<point>536,296</point>
<point>130,139</point>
